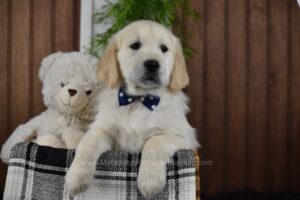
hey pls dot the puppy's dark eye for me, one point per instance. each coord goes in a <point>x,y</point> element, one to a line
<point>62,84</point>
<point>88,92</point>
<point>135,46</point>
<point>164,48</point>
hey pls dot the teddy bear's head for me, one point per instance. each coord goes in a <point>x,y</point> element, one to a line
<point>69,81</point>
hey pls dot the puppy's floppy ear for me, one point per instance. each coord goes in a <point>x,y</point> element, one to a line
<point>179,76</point>
<point>46,64</point>
<point>108,67</point>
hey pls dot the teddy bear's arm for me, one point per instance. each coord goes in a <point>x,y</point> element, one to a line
<point>24,132</point>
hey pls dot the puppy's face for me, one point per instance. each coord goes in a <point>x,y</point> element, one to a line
<point>145,55</point>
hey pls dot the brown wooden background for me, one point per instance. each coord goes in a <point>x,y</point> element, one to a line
<point>30,30</point>
<point>245,83</point>
<point>245,91</point>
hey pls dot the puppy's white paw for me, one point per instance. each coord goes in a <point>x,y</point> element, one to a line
<point>77,179</point>
<point>151,178</point>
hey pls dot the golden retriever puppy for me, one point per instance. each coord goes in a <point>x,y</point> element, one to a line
<point>142,110</point>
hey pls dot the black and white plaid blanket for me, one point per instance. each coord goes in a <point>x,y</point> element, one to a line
<point>37,172</point>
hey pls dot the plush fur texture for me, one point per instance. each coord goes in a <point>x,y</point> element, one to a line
<point>157,134</point>
<point>70,87</point>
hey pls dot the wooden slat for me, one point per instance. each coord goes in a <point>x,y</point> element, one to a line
<point>64,25</point>
<point>3,80</point>
<point>294,145</point>
<point>277,95</point>
<point>236,97</point>
<point>257,95</point>
<point>215,94</point>
<point>194,37</point>
<point>76,24</point>
<point>41,48</point>
<point>19,85</point>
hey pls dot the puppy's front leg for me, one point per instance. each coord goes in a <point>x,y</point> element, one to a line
<point>81,172</point>
<point>156,153</point>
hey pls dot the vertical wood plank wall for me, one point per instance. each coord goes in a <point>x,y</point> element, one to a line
<point>30,30</point>
<point>245,83</point>
<point>245,93</point>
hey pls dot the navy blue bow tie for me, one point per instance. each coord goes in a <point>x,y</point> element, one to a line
<point>149,101</point>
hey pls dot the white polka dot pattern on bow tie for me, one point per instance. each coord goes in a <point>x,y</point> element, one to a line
<point>149,101</point>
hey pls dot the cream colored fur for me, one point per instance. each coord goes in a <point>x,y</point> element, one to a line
<point>157,134</point>
<point>66,118</point>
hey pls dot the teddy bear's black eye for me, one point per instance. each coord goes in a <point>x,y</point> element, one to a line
<point>164,48</point>
<point>88,92</point>
<point>135,46</point>
<point>62,84</point>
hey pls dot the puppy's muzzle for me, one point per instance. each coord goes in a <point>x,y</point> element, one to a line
<point>151,66</point>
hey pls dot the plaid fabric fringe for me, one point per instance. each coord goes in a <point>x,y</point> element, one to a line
<point>37,172</point>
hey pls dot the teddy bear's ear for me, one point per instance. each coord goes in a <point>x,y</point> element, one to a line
<point>46,64</point>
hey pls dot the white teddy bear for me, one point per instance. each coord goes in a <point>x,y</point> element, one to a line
<point>69,91</point>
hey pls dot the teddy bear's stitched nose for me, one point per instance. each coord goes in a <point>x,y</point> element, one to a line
<point>72,92</point>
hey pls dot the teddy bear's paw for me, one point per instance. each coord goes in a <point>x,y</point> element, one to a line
<point>78,179</point>
<point>49,140</point>
<point>72,137</point>
<point>151,178</point>
<point>5,154</point>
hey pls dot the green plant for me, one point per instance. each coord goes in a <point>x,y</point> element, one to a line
<point>122,12</point>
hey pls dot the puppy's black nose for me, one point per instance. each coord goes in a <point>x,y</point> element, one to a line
<point>72,92</point>
<point>151,65</point>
